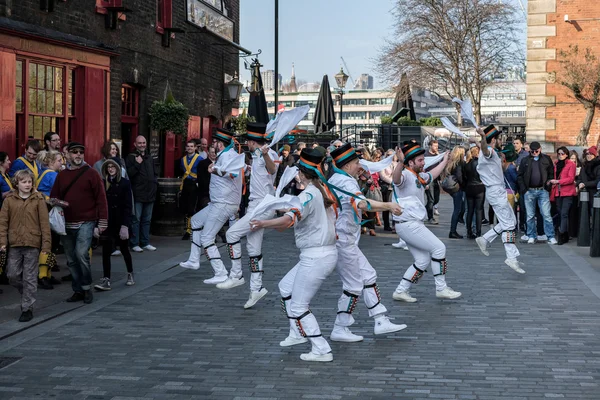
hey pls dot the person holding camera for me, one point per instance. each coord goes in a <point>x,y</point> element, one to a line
<point>143,175</point>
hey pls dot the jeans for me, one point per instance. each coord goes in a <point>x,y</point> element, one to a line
<point>475,206</point>
<point>77,244</point>
<point>140,228</point>
<point>563,205</point>
<point>459,208</point>
<point>542,199</point>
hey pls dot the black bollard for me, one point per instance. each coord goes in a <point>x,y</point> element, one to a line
<point>583,237</point>
<point>595,246</point>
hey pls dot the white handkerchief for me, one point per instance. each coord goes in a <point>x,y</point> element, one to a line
<point>285,122</point>
<point>466,110</point>
<point>231,164</point>
<point>451,127</point>
<point>271,203</point>
<point>431,161</point>
<point>373,167</point>
<point>288,175</point>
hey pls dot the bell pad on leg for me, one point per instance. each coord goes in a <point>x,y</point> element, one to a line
<point>347,302</point>
<point>509,236</point>
<point>234,250</point>
<point>413,274</point>
<point>309,328</point>
<point>439,266</point>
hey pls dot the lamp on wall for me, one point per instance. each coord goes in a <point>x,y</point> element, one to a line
<point>231,92</point>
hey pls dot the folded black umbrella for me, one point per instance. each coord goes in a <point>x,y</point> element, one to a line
<point>324,118</point>
<point>257,104</point>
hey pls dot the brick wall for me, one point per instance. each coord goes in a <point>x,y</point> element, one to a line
<point>192,66</point>
<point>553,116</point>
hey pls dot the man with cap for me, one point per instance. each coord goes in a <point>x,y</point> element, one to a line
<point>225,195</point>
<point>357,274</point>
<point>262,179</point>
<point>87,214</point>
<point>189,188</point>
<point>534,175</point>
<point>427,250</point>
<point>490,171</point>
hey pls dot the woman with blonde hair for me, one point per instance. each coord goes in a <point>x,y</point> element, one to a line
<point>475,194</point>
<point>455,169</point>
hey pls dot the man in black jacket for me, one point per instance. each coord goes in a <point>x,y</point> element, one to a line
<point>143,174</point>
<point>534,173</point>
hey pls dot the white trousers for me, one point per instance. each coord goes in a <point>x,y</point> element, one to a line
<point>205,225</point>
<point>299,286</point>
<point>253,245</point>
<point>507,221</point>
<point>358,276</point>
<point>427,251</point>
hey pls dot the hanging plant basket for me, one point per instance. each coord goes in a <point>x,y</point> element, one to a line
<point>169,116</point>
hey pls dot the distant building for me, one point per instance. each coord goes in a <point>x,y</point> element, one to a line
<point>364,82</point>
<point>268,78</point>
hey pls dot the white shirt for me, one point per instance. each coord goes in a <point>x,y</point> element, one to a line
<point>410,187</point>
<point>226,189</point>
<point>345,222</point>
<point>490,169</point>
<point>316,227</point>
<point>203,154</point>
<point>261,181</point>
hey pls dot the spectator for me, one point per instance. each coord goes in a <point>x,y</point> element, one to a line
<point>299,147</point>
<point>526,147</point>
<point>25,229</point>
<point>286,161</point>
<point>475,194</point>
<point>315,145</point>
<point>143,174</point>
<point>51,141</point>
<point>534,175</point>
<point>433,189</point>
<point>110,150</point>
<point>369,185</point>
<point>455,168</point>
<point>574,157</point>
<point>589,175</point>
<point>28,160</point>
<point>203,148</point>
<point>385,182</point>
<point>5,182</point>
<point>510,178</point>
<point>563,191</point>
<point>87,212</point>
<point>118,198</point>
<point>521,152</point>
<point>51,162</point>
<point>188,190</point>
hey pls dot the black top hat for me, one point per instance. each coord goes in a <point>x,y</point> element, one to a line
<point>490,133</point>
<point>343,155</point>
<point>256,131</point>
<point>223,135</point>
<point>412,151</point>
<point>311,157</point>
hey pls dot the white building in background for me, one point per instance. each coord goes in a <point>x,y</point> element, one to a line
<point>268,78</point>
<point>362,108</point>
<point>364,82</point>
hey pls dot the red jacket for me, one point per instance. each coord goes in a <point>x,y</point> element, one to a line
<point>566,186</point>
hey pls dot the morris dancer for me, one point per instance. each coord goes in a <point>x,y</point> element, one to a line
<point>314,230</point>
<point>225,195</point>
<point>356,273</point>
<point>492,176</point>
<point>262,179</point>
<point>425,247</point>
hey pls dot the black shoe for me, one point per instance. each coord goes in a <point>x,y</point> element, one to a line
<point>88,297</point>
<point>186,236</point>
<point>67,278</point>
<point>485,222</point>
<point>54,281</point>
<point>388,229</point>
<point>470,235</point>
<point>461,221</point>
<point>56,268</point>
<point>44,283</point>
<point>77,296</point>
<point>26,316</point>
<point>455,235</point>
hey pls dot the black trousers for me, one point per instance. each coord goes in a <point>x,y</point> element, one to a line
<point>563,207</point>
<point>433,197</point>
<point>475,206</point>
<point>107,248</point>
<point>387,197</point>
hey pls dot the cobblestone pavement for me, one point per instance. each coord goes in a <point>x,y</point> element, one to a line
<point>510,336</point>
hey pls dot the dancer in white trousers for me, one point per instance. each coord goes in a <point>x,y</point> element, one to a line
<point>314,230</point>
<point>262,180</point>
<point>492,176</point>
<point>225,196</point>
<point>426,249</point>
<point>357,274</point>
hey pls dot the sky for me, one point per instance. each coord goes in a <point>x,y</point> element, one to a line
<point>314,34</point>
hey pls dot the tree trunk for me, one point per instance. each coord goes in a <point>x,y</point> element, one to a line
<point>585,128</point>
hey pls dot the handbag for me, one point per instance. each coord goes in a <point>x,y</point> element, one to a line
<point>57,215</point>
<point>450,185</point>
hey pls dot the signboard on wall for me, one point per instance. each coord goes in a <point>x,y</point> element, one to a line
<point>212,15</point>
<point>154,145</point>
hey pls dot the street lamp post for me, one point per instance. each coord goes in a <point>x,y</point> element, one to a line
<point>231,93</point>
<point>341,78</point>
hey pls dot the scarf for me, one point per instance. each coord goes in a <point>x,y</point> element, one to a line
<point>560,164</point>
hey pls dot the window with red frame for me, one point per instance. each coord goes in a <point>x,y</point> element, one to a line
<point>164,15</point>
<point>129,101</point>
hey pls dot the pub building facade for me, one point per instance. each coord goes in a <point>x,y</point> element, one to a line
<point>89,70</point>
